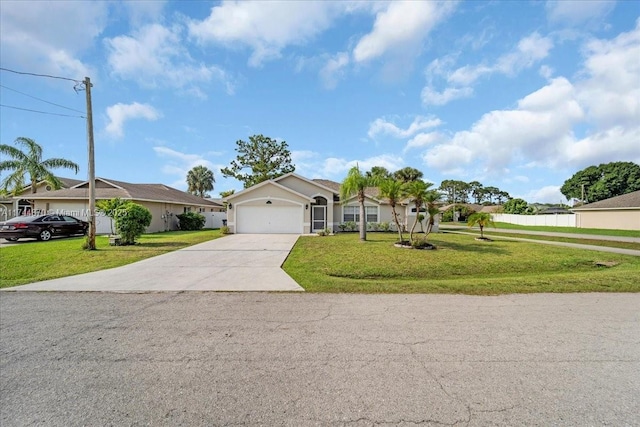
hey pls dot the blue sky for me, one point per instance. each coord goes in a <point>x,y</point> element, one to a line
<point>515,94</point>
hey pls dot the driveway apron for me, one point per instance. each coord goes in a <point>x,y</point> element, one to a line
<point>239,262</point>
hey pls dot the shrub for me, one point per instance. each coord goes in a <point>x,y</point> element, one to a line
<point>385,226</point>
<point>372,226</point>
<point>132,222</point>
<point>324,232</point>
<point>422,244</point>
<point>225,230</point>
<point>351,226</point>
<point>342,226</point>
<point>190,221</point>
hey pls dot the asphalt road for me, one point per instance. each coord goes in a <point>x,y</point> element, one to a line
<point>96,359</point>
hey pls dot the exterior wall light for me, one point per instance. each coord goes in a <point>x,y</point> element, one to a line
<point>268,202</point>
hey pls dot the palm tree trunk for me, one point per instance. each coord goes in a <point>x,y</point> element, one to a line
<point>481,232</point>
<point>363,218</point>
<point>395,219</point>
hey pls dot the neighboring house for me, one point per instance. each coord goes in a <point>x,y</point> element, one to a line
<point>292,204</point>
<point>164,202</point>
<point>617,213</point>
<point>20,204</point>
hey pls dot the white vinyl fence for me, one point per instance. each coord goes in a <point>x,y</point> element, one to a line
<point>214,219</point>
<point>560,220</point>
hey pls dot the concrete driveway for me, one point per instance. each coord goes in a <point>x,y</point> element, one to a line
<point>239,262</point>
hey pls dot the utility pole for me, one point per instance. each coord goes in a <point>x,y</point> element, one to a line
<point>91,238</point>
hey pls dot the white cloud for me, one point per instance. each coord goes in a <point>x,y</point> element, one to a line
<point>314,165</point>
<point>265,27</point>
<point>337,168</point>
<point>603,103</point>
<point>51,37</point>
<point>611,93</point>
<point>548,194</point>
<point>402,26</point>
<point>575,12</point>
<point>155,56</point>
<point>529,51</point>
<point>119,113</point>
<point>430,96</point>
<point>422,140</point>
<point>179,164</point>
<point>381,126</point>
<point>334,69</point>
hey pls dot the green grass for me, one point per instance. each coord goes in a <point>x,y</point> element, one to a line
<point>460,265</point>
<point>607,243</point>
<point>574,230</point>
<point>35,261</point>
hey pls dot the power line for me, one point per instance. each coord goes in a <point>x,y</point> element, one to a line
<point>40,75</point>
<point>39,99</point>
<point>41,112</point>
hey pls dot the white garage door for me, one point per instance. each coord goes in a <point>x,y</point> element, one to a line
<point>269,219</point>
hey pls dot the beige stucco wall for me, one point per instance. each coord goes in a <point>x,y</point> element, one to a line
<point>269,192</point>
<point>628,219</point>
<point>312,190</point>
<point>160,221</point>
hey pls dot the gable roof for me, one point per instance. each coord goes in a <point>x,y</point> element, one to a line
<point>624,201</point>
<point>110,189</point>
<point>310,181</point>
<point>265,183</point>
<point>371,192</point>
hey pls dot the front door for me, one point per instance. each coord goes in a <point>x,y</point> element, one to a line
<point>318,218</point>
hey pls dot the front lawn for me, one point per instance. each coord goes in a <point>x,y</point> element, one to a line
<point>29,262</point>
<point>573,230</point>
<point>461,264</point>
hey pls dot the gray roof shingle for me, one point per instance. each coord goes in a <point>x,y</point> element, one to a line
<point>109,189</point>
<point>624,201</point>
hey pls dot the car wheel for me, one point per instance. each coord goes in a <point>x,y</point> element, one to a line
<point>11,239</point>
<point>44,235</point>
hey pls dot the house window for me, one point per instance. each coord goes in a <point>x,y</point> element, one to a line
<point>372,213</point>
<point>187,209</point>
<point>352,213</point>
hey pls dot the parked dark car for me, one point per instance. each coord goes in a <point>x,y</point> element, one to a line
<point>42,227</point>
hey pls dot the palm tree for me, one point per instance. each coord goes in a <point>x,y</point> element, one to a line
<point>355,184</point>
<point>408,174</point>
<point>430,200</point>
<point>417,192</point>
<point>482,219</point>
<point>200,180</point>
<point>29,162</point>
<point>393,190</point>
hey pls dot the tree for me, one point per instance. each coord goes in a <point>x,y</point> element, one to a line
<point>432,197</point>
<point>477,191</point>
<point>355,184</point>
<point>602,182</point>
<point>200,179</point>
<point>491,192</point>
<point>380,172</point>
<point>417,193</point>
<point>455,191</point>
<point>516,206</point>
<point>264,158</point>
<point>393,190</point>
<point>111,208</point>
<point>482,219</point>
<point>502,195</point>
<point>408,174</point>
<point>132,222</point>
<point>29,164</point>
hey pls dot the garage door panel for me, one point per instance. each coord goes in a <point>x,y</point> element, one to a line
<point>269,219</point>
